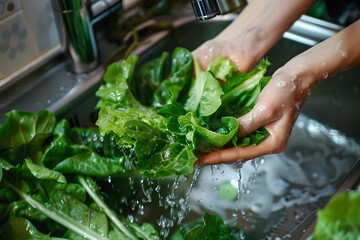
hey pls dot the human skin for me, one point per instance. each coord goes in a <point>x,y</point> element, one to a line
<point>282,99</point>
<point>259,26</point>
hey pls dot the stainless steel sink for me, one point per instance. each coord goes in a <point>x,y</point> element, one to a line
<point>273,196</point>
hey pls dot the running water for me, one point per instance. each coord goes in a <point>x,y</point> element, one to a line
<point>250,196</point>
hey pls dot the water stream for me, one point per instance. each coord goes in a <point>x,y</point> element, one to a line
<point>253,196</point>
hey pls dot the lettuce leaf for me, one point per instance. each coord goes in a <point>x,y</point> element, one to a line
<point>205,93</point>
<point>212,228</point>
<point>185,114</point>
<point>340,219</point>
<point>23,135</point>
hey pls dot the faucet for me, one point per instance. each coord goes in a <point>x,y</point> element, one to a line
<point>77,19</point>
<point>207,9</point>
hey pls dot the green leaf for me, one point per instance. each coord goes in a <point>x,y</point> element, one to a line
<point>145,231</point>
<point>20,228</point>
<point>222,68</point>
<point>159,154</point>
<point>62,146</point>
<point>205,93</point>
<point>149,77</point>
<point>81,151</point>
<point>112,121</point>
<point>340,219</point>
<point>252,139</point>
<point>179,77</point>
<point>173,111</point>
<point>91,164</point>
<point>216,138</point>
<point>44,173</point>
<point>242,90</point>
<point>212,229</point>
<point>118,78</point>
<point>23,134</point>
<point>5,165</point>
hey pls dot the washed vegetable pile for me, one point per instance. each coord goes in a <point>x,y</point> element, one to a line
<point>151,122</point>
<point>166,118</point>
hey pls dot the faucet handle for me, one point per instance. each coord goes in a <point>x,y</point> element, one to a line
<point>205,9</point>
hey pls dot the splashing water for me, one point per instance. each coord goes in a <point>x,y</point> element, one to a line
<point>252,196</point>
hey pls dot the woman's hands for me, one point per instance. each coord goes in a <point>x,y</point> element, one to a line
<point>281,100</point>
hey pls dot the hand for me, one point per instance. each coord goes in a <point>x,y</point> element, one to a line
<point>206,52</point>
<point>277,109</point>
<point>247,39</point>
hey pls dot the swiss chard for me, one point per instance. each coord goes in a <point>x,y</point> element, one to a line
<point>45,189</point>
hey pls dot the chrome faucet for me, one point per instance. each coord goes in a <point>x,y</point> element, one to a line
<point>207,9</point>
<point>77,19</point>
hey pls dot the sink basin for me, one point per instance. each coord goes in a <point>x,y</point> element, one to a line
<point>256,197</point>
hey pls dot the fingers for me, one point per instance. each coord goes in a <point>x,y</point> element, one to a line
<point>237,154</point>
<point>259,116</point>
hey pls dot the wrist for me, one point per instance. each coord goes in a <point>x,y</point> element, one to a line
<point>300,74</point>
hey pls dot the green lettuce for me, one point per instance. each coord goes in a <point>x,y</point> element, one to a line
<point>340,219</point>
<point>211,227</point>
<point>168,117</point>
<point>46,171</point>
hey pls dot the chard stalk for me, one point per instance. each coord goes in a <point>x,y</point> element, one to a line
<point>60,217</point>
<point>106,209</point>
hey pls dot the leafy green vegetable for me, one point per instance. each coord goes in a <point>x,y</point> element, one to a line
<point>43,172</point>
<point>179,77</point>
<point>118,78</point>
<point>23,134</point>
<point>71,151</point>
<point>340,219</point>
<point>211,227</point>
<point>222,68</point>
<point>149,77</point>
<point>159,154</point>
<point>42,189</point>
<point>20,228</point>
<point>204,94</point>
<point>179,114</point>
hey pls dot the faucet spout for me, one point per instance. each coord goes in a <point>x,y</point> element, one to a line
<point>77,19</point>
<point>207,9</point>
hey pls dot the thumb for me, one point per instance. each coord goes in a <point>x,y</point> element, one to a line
<point>259,116</point>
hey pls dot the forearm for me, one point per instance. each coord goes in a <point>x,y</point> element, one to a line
<point>336,54</point>
<point>262,23</point>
